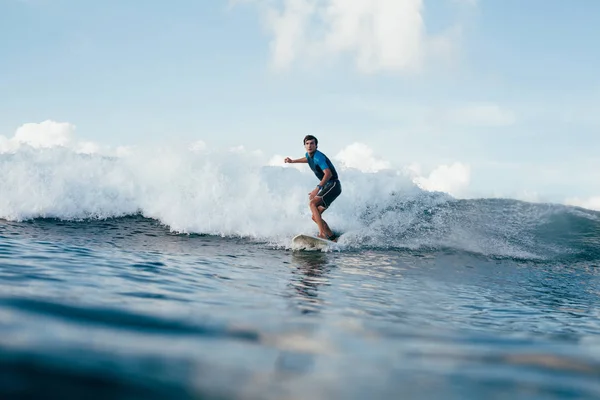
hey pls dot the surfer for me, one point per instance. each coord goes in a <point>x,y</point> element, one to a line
<point>328,189</point>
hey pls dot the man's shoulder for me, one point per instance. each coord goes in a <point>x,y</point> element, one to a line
<point>320,155</point>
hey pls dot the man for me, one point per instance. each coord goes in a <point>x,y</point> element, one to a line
<point>328,189</point>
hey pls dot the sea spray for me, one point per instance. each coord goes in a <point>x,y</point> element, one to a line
<point>233,193</point>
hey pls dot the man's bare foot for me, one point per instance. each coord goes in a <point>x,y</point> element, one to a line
<point>332,237</point>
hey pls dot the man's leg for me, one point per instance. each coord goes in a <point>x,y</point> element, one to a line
<point>327,229</point>
<point>321,210</point>
<point>317,209</point>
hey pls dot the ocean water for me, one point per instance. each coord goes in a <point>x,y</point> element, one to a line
<point>167,273</point>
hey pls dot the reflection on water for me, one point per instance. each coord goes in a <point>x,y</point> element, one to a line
<point>309,271</point>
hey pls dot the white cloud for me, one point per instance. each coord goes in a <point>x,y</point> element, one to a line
<point>452,179</point>
<point>124,151</point>
<point>198,146</point>
<point>360,156</point>
<point>240,149</point>
<point>289,29</point>
<point>48,134</point>
<point>87,148</point>
<point>413,114</point>
<point>484,114</point>
<point>381,35</point>
<point>45,134</point>
<point>7,145</point>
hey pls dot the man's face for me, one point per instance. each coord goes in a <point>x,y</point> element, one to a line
<point>310,145</point>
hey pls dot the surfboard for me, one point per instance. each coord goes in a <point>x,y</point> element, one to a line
<point>310,242</point>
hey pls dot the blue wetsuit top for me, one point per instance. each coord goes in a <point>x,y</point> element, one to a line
<point>319,163</point>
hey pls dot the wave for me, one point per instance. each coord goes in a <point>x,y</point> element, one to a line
<point>236,194</point>
<point>491,227</point>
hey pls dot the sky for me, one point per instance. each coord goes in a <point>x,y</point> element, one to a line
<point>478,98</point>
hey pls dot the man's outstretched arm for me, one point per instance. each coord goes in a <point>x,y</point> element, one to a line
<point>299,160</point>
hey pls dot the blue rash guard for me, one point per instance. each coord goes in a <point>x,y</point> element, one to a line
<point>319,163</point>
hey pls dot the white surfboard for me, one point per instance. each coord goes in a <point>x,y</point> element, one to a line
<point>309,242</point>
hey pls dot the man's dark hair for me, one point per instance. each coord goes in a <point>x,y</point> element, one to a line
<point>310,137</point>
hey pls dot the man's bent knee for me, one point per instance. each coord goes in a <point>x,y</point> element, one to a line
<point>320,210</point>
<point>316,201</point>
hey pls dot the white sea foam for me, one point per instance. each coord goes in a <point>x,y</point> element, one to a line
<point>193,189</point>
<point>196,190</point>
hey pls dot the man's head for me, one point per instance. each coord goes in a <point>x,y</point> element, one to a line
<point>311,137</point>
<point>310,143</point>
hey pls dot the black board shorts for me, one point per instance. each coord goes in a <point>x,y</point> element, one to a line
<point>330,192</point>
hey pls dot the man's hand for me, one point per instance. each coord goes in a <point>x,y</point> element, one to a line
<point>288,160</point>
<point>312,194</point>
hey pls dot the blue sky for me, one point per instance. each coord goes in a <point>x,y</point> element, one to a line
<point>509,89</point>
